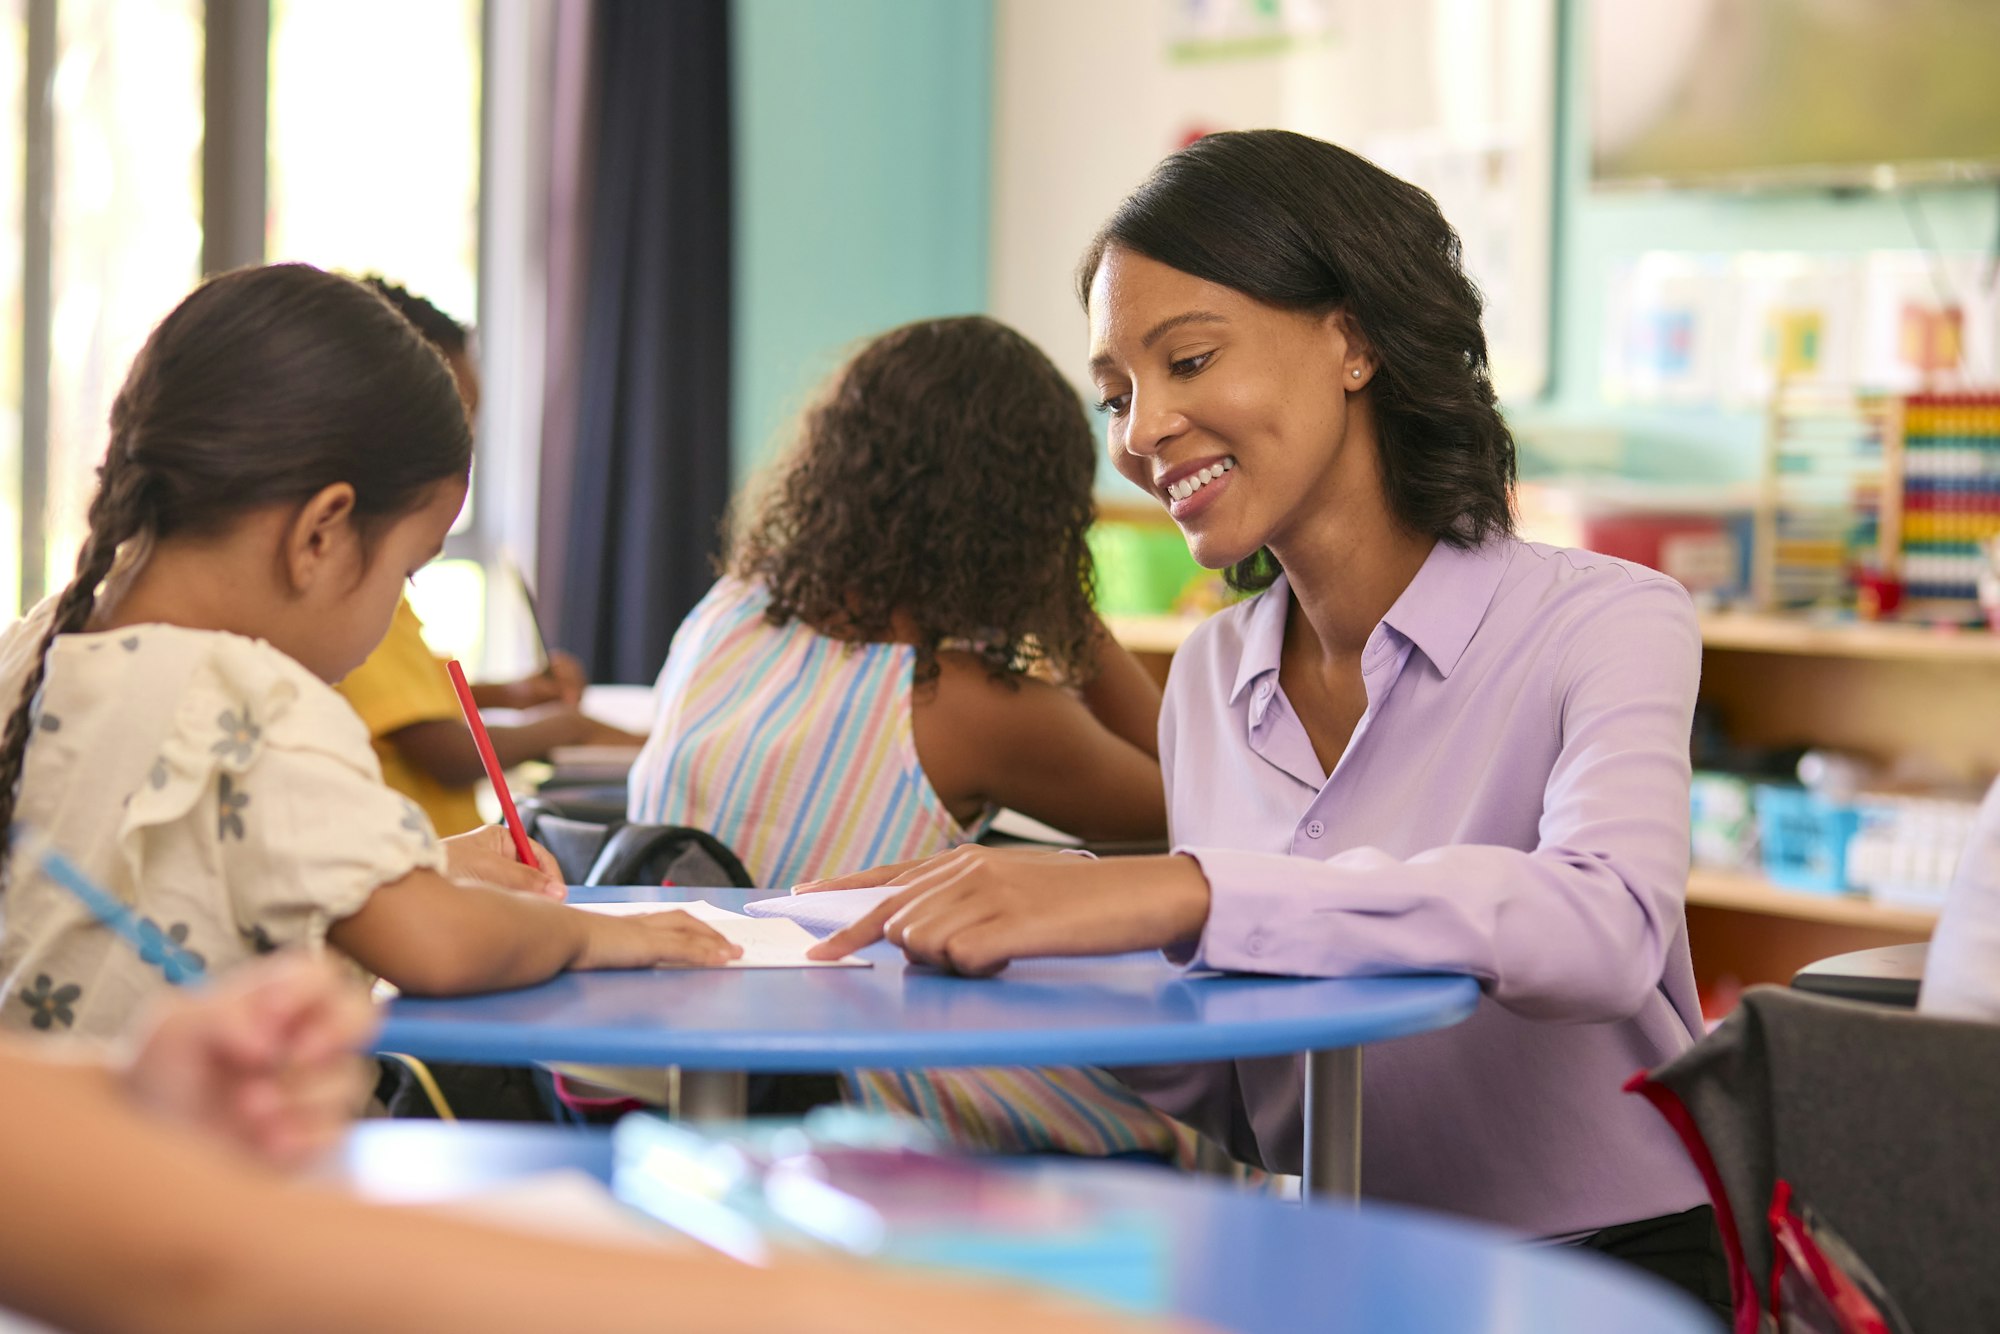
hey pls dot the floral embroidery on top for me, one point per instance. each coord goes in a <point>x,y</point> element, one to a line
<point>230,801</point>
<point>157,775</point>
<point>129,643</point>
<point>48,722</point>
<point>417,822</point>
<point>259,939</point>
<point>168,950</point>
<point>239,736</point>
<point>52,1004</point>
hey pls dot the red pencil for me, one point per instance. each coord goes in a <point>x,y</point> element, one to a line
<point>522,848</point>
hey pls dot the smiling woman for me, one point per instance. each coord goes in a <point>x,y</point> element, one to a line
<point>1425,746</point>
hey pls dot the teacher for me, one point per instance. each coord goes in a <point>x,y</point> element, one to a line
<point>1422,746</point>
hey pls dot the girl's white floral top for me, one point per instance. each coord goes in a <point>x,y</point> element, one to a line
<point>225,794</point>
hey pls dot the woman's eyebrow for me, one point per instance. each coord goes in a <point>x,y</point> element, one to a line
<point>1163,328</point>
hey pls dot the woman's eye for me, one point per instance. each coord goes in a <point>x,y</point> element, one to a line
<point>1190,365</point>
<point>1114,404</point>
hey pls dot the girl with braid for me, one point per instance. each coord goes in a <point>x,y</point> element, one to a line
<point>285,452</point>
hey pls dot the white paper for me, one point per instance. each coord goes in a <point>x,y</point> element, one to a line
<point>767,942</point>
<point>824,912</point>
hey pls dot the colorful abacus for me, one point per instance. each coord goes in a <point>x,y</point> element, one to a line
<point>1951,490</point>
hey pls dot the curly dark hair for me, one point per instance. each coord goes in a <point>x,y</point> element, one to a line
<point>1304,225</point>
<point>945,475</point>
<point>440,330</point>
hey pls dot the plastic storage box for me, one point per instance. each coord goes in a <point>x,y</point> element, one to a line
<point>1805,839</point>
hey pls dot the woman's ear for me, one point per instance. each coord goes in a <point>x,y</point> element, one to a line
<point>1351,351</point>
<point>320,537</point>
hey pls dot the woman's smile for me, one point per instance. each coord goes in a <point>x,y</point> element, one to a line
<point>1192,487</point>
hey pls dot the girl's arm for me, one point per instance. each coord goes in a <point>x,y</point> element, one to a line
<point>1123,695</point>
<point>116,1224</point>
<point>1037,748</point>
<point>431,937</point>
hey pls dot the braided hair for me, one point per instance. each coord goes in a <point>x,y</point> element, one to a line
<point>264,386</point>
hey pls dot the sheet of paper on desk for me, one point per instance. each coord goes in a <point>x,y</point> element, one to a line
<point>825,912</point>
<point>767,942</point>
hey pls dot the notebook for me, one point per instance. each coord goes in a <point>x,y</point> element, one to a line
<point>767,943</point>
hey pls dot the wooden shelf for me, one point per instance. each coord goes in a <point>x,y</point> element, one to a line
<point>1742,631</point>
<point>1847,639</point>
<point>1742,892</point>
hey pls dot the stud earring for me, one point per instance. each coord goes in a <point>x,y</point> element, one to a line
<point>1357,375</point>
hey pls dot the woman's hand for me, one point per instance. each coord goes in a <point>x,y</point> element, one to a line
<point>485,856</point>
<point>264,1058</point>
<point>974,909</point>
<point>667,939</point>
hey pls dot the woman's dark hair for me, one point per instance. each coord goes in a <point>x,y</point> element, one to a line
<point>440,330</point>
<point>263,387</point>
<point>1301,224</point>
<point>945,474</point>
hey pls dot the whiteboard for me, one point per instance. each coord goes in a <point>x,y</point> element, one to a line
<point>1455,95</point>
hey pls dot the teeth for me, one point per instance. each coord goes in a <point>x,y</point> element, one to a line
<point>1187,486</point>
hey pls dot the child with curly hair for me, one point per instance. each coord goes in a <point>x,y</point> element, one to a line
<point>903,642</point>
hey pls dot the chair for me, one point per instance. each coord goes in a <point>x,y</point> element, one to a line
<point>664,854</point>
<point>1883,1122</point>
<point>574,843</point>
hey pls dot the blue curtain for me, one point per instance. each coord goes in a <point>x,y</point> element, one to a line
<point>651,466</point>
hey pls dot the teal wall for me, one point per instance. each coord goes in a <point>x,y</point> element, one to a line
<point>862,132</point>
<point>1595,231</point>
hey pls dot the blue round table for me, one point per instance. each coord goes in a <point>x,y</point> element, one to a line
<point>718,1024</point>
<point>1239,1261</point>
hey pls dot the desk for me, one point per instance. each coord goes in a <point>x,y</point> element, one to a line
<point>1241,1262</point>
<point>1887,975</point>
<point>718,1024</point>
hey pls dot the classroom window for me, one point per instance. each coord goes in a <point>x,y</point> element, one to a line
<point>374,142</point>
<point>372,150</point>
<point>13,59</point>
<point>126,98</point>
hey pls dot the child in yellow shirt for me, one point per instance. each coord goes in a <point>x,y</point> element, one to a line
<point>402,692</point>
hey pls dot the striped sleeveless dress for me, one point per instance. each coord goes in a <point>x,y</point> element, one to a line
<point>797,750</point>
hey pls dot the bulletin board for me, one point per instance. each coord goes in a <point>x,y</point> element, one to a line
<point>1455,95</point>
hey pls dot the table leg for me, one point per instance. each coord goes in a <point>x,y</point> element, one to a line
<point>1333,1126</point>
<point>712,1095</point>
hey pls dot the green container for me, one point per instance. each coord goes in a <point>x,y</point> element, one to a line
<point>1141,568</point>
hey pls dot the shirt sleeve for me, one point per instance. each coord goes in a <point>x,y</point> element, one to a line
<point>1577,928</point>
<point>308,831</point>
<point>1962,970</point>
<point>402,683</point>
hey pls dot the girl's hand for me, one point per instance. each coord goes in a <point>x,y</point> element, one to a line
<point>653,940</point>
<point>264,1058</point>
<point>485,856</point>
<point>974,909</point>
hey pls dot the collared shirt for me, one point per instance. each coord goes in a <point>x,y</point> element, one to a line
<point>1513,805</point>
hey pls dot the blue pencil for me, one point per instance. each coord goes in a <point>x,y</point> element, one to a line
<point>178,965</point>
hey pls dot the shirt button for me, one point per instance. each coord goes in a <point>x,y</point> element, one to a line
<point>1256,943</point>
<point>1315,829</point>
<point>1263,690</point>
